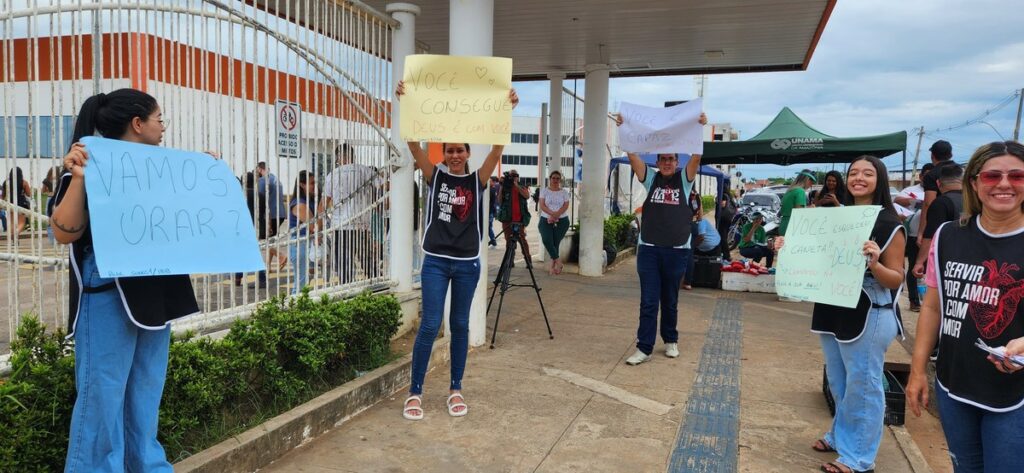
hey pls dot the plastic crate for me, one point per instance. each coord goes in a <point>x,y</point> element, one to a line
<point>895,398</point>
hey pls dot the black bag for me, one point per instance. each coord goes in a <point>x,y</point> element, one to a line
<point>707,271</point>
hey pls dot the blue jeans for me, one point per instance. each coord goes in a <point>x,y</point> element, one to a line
<point>436,275</point>
<point>854,372</point>
<point>660,270</point>
<point>981,441</point>
<point>119,374</point>
<point>298,254</point>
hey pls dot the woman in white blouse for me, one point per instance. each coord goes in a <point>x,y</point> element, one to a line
<point>554,203</point>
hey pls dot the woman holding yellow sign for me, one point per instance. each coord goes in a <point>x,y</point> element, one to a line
<point>854,341</point>
<point>451,241</point>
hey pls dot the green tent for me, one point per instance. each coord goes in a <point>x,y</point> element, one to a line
<point>789,140</point>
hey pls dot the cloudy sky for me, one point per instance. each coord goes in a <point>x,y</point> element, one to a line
<point>881,66</point>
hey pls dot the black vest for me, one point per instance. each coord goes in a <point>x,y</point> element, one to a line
<point>454,216</point>
<point>847,324</point>
<point>666,217</point>
<point>981,284</point>
<point>150,301</point>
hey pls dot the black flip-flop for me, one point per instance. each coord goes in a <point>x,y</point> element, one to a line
<point>837,468</point>
<point>828,448</point>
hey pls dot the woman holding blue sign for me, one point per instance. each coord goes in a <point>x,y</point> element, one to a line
<point>854,341</point>
<point>451,241</point>
<point>121,326</point>
<point>973,304</point>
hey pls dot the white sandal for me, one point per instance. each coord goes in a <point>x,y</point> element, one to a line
<point>406,410</point>
<point>453,405</point>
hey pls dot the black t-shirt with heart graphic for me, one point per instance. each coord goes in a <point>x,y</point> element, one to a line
<point>454,225</point>
<point>980,279</point>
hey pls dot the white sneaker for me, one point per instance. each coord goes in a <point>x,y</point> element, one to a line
<point>672,350</point>
<point>637,358</point>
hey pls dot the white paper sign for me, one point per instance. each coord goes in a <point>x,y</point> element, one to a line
<point>662,130</point>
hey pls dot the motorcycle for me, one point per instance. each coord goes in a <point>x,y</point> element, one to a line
<point>743,216</point>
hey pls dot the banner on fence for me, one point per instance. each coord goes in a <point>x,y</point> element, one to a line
<point>823,258</point>
<point>457,99</point>
<point>160,211</point>
<point>674,129</point>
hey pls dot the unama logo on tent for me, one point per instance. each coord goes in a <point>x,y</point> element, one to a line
<point>798,144</point>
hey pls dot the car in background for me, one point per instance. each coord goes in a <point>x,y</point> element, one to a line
<point>777,190</point>
<point>761,199</point>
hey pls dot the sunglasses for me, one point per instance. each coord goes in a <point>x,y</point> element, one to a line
<point>993,178</point>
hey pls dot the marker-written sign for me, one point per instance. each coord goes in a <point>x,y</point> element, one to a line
<point>457,98</point>
<point>160,211</point>
<point>823,258</point>
<point>673,129</point>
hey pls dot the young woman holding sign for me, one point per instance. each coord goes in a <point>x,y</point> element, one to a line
<point>974,292</point>
<point>121,326</point>
<point>663,249</point>
<point>854,340</point>
<point>451,241</point>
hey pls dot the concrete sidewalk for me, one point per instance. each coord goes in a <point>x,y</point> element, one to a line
<point>571,404</point>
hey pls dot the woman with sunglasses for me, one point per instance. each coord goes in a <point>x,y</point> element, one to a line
<point>854,341</point>
<point>554,222</point>
<point>975,285</point>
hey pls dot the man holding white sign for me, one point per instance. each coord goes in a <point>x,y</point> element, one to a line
<point>673,129</point>
<point>664,240</point>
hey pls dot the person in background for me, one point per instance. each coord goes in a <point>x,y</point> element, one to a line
<point>269,190</point>
<point>980,396</point>
<point>723,220</point>
<point>554,222</point>
<point>695,203</point>
<point>258,213</point>
<point>121,326</point>
<point>300,214</point>
<point>15,191</point>
<point>911,198</point>
<point>662,248</point>
<point>348,191</point>
<point>942,156</point>
<point>513,208</point>
<point>795,197</point>
<point>754,240</point>
<point>492,211</point>
<point>707,241</point>
<point>833,192</point>
<point>49,186</point>
<point>854,341</point>
<point>947,207</point>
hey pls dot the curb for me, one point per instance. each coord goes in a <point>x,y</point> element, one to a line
<point>910,450</point>
<point>261,445</point>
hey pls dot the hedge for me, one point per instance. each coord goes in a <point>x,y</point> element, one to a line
<point>288,352</point>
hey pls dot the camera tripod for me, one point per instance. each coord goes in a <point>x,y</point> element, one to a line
<point>501,281</point>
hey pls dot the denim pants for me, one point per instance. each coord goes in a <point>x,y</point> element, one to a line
<point>660,270</point>
<point>298,254</point>
<point>436,275</point>
<point>981,441</point>
<point>854,371</point>
<point>119,374</point>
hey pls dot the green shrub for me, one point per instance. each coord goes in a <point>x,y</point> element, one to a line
<point>36,400</point>
<point>617,231</point>
<point>707,202</point>
<point>286,353</point>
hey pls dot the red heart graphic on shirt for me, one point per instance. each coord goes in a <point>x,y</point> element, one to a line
<point>463,203</point>
<point>990,319</point>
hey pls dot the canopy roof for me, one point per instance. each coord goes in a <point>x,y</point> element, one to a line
<point>790,140</point>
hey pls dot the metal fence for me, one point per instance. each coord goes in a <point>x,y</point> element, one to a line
<point>221,71</point>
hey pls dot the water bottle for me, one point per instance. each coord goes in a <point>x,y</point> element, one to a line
<point>921,289</point>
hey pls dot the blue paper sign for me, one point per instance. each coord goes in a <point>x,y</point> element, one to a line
<point>161,211</point>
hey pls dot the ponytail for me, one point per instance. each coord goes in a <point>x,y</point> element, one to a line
<point>111,114</point>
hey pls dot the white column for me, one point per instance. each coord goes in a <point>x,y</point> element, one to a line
<point>555,122</point>
<point>595,163</point>
<point>402,188</point>
<point>471,33</point>
<point>541,254</point>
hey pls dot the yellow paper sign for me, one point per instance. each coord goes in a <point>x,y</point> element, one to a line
<point>457,99</point>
